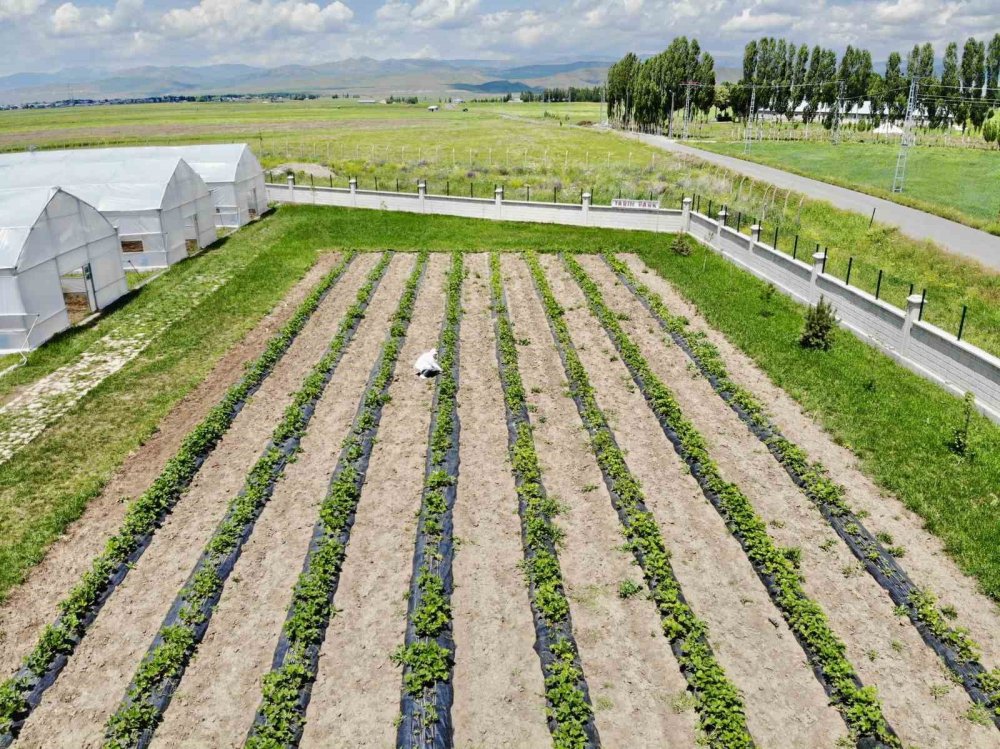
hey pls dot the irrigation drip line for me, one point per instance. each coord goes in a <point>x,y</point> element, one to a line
<point>425,703</point>
<point>183,628</point>
<point>535,544</point>
<point>687,636</point>
<point>288,687</point>
<point>760,564</point>
<point>23,692</point>
<point>958,654</point>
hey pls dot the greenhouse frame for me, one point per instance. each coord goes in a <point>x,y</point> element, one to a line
<point>162,209</point>
<point>230,170</point>
<point>57,253</point>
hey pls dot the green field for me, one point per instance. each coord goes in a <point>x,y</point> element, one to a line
<point>539,151</point>
<point>897,423</point>
<point>962,184</point>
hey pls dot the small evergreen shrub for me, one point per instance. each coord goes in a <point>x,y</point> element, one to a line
<point>821,321</point>
<point>680,246</point>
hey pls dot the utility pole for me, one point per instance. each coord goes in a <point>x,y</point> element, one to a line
<point>748,131</point>
<point>835,130</point>
<point>906,140</point>
<point>687,107</point>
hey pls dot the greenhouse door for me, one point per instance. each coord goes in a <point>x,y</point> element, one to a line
<point>79,294</point>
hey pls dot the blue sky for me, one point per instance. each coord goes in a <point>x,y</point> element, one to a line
<point>46,35</point>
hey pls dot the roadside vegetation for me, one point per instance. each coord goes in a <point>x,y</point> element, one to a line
<point>957,183</point>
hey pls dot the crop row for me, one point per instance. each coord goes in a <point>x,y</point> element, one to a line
<point>159,673</point>
<point>958,650</point>
<point>22,693</point>
<point>721,712</point>
<point>427,656</point>
<point>777,567</point>
<point>286,688</point>
<point>569,708</point>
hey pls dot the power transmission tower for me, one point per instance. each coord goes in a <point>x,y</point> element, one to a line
<point>835,130</point>
<point>906,140</point>
<point>748,132</point>
<point>687,107</point>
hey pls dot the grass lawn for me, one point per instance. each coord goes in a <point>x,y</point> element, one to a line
<point>962,184</point>
<point>897,423</point>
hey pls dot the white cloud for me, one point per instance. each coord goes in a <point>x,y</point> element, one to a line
<point>70,20</point>
<point>14,9</point>
<point>247,19</point>
<point>749,22</point>
<point>427,14</point>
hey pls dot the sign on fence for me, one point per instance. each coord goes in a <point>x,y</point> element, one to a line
<point>629,203</point>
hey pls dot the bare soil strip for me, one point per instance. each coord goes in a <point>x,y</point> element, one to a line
<point>919,701</point>
<point>76,707</point>
<point>34,604</point>
<point>635,682</point>
<point>786,706</point>
<point>355,699</point>
<point>927,562</point>
<point>498,682</point>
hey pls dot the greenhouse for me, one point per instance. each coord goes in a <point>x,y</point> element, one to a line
<point>230,170</point>
<point>60,261</point>
<point>161,207</point>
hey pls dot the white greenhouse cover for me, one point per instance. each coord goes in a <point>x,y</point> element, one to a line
<point>214,162</point>
<point>113,184</point>
<point>52,243</point>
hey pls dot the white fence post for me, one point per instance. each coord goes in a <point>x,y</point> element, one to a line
<point>686,215</point>
<point>754,236</point>
<point>422,193</point>
<point>912,312</point>
<point>817,268</point>
<point>586,209</point>
<point>498,200</point>
<point>291,188</point>
<point>354,191</point>
<point>719,223</point>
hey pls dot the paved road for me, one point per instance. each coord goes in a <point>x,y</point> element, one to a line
<point>954,237</point>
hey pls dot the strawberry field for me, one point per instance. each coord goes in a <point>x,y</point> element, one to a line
<point>600,524</point>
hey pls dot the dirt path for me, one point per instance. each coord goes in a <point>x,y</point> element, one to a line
<point>215,703</point>
<point>635,684</point>
<point>75,709</point>
<point>919,700</point>
<point>786,705</point>
<point>499,690</point>
<point>34,604</point>
<point>926,561</point>
<point>355,699</point>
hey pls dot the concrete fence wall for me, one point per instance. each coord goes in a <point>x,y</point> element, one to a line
<point>923,348</point>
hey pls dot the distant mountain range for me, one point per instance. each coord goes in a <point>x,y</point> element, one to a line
<point>365,76</point>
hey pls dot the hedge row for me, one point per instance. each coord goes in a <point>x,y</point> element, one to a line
<point>161,669</point>
<point>777,567</point>
<point>721,712</point>
<point>21,693</point>
<point>569,709</point>
<point>427,656</point>
<point>961,651</point>
<point>286,688</point>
